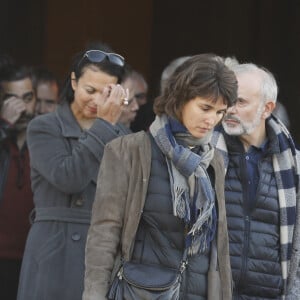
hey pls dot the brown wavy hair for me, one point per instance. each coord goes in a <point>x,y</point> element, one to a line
<point>203,75</point>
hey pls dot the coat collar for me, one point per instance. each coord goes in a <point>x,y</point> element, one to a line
<point>68,123</point>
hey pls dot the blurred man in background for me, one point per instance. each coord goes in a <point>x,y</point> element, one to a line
<point>47,90</point>
<point>17,105</point>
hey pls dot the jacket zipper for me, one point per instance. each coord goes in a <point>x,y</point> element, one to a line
<point>246,206</point>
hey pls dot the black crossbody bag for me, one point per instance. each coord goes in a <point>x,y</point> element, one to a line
<point>138,281</point>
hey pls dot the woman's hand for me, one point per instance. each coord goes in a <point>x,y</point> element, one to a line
<point>109,107</point>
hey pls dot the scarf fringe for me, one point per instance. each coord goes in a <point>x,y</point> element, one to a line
<point>181,205</point>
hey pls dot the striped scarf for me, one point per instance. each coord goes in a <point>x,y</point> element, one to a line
<point>286,165</point>
<point>187,171</point>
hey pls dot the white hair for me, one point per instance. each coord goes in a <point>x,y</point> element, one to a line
<point>230,61</point>
<point>269,87</point>
<point>170,69</point>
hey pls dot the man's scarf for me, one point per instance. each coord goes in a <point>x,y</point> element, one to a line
<point>286,169</point>
<point>191,189</point>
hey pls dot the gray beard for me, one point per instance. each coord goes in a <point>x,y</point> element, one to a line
<point>244,127</point>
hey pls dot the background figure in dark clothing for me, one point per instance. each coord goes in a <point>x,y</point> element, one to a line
<point>137,89</point>
<point>17,102</point>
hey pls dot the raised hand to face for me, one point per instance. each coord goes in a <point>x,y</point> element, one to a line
<point>110,105</point>
<point>12,109</point>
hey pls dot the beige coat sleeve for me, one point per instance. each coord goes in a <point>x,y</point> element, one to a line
<point>105,232</point>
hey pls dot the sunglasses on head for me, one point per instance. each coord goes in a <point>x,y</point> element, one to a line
<point>97,56</point>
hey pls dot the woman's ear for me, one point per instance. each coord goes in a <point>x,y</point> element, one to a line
<point>73,81</point>
<point>269,107</point>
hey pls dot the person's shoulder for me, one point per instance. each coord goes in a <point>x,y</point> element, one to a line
<point>218,138</point>
<point>218,159</point>
<point>41,121</point>
<point>130,141</point>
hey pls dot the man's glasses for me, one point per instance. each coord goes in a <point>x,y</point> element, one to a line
<point>97,56</point>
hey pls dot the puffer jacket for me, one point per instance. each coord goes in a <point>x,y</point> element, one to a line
<point>292,290</point>
<point>253,226</point>
<point>160,239</point>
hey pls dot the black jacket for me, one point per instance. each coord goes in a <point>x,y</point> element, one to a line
<point>253,226</point>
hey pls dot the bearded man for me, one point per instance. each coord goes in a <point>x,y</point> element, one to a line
<point>261,191</point>
<point>17,104</point>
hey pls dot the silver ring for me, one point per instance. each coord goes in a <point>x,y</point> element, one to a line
<point>125,101</point>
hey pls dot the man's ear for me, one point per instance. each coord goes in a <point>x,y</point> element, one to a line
<point>73,81</point>
<point>269,107</point>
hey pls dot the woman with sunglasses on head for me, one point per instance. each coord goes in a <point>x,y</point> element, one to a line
<point>66,149</point>
<point>159,230</point>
